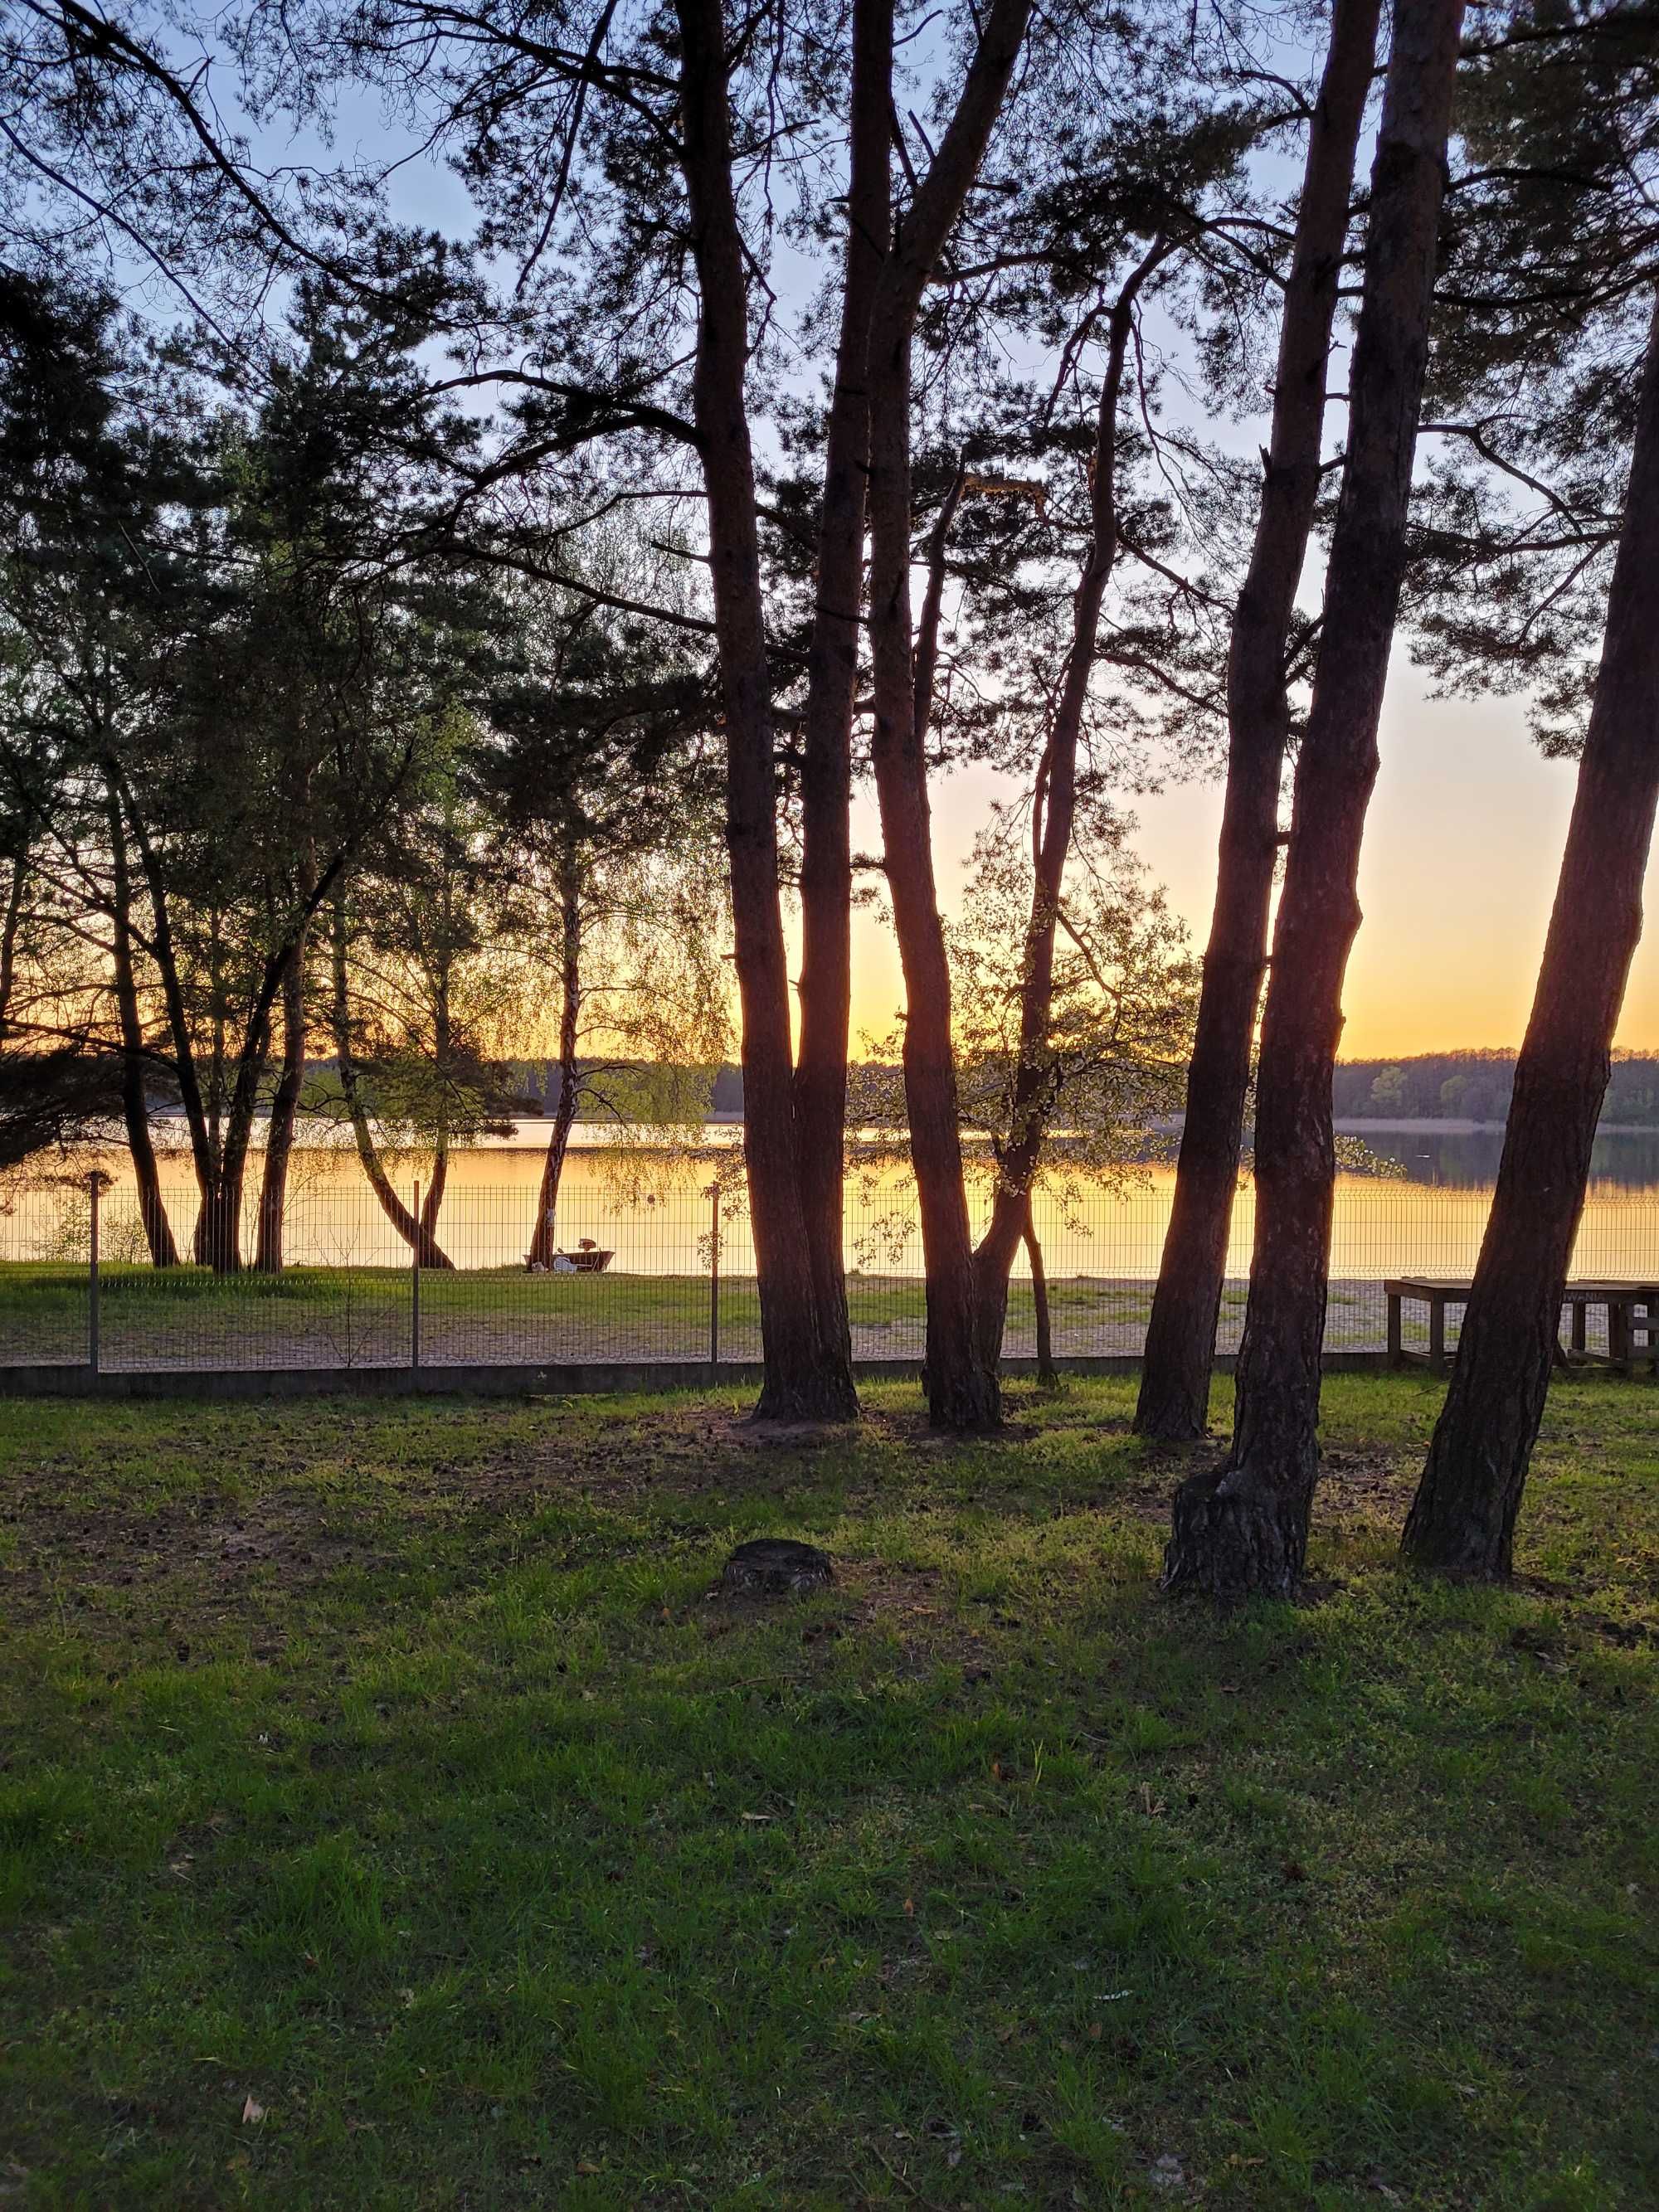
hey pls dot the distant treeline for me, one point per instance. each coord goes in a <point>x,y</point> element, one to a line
<point>519,1087</point>
<point>534,1084</point>
<point>1475,1087</point>
<point>1458,1086</point>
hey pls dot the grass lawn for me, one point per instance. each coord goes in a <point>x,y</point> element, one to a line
<point>390,1817</point>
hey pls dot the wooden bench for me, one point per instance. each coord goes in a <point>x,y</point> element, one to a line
<point>1632,1311</point>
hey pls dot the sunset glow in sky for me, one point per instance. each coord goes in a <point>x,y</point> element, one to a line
<point>1462,849</point>
<point>1465,827</point>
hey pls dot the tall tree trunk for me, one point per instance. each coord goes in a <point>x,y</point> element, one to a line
<point>826,880</point>
<point>543,1241</point>
<point>204,1152</point>
<point>284,1115</point>
<point>961,1385</point>
<point>443,1045</point>
<point>218,1153</point>
<point>805,1375</point>
<point>8,929</point>
<point>221,1155</point>
<point>135,1104</point>
<point>1463,1520</point>
<point>1048,1374</point>
<point>1175,1386</point>
<point>219,1230</point>
<point>1054,814</point>
<point>432,1201</point>
<point>418,1235</point>
<point>1244,1528</point>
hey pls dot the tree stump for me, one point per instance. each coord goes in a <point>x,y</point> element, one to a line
<point>775,1566</point>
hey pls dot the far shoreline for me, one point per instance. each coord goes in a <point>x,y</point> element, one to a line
<point>526,1127</point>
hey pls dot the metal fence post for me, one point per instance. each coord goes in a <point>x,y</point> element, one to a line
<point>713,1195</point>
<point>414,1285</point>
<point>94,1193</point>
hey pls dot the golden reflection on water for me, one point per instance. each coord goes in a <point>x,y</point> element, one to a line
<point>653,1214</point>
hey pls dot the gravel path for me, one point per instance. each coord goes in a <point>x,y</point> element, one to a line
<point>498,1321</point>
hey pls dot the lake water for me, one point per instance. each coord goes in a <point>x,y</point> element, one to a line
<point>1626,1161</point>
<point>656,1219</point>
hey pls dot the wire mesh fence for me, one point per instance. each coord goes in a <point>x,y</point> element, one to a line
<point>660,1275</point>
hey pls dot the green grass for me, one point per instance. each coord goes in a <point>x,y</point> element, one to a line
<point>391,1766</point>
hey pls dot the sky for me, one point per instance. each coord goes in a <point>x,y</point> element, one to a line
<point>1463,846</point>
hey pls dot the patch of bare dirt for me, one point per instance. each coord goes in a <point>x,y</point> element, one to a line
<point>1365,1488</point>
<point>756,1435</point>
<point>688,1450</point>
<point>101,1551</point>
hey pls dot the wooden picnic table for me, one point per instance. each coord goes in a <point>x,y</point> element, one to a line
<point>1633,1311</point>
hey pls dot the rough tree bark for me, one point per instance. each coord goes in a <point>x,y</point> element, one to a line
<point>1053,819</point>
<point>961,1385</point>
<point>804,1376</point>
<point>1174,1384</point>
<point>1244,1527</point>
<point>826,881</point>
<point>1463,1520</point>
<point>135,1106</point>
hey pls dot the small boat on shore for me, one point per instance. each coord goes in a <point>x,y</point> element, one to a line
<point>587,1258</point>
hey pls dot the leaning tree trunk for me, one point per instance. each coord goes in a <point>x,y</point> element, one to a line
<point>218,1233</point>
<point>219,1225</point>
<point>418,1234</point>
<point>135,1103</point>
<point>432,1202</point>
<point>1462,1520</point>
<point>544,1240</point>
<point>961,1385</point>
<point>1244,1526</point>
<point>826,875</point>
<point>443,1042</point>
<point>805,1375</point>
<point>443,1049</point>
<point>220,1156</point>
<point>205,1153</point>
<point>1048,1373</point>
<point>284,1115</point>
<point>1174,1384</point>
<point>219,1230</point>
<point>1053,818</point>
<point>221,1164</point>
<point>146,1172</point>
